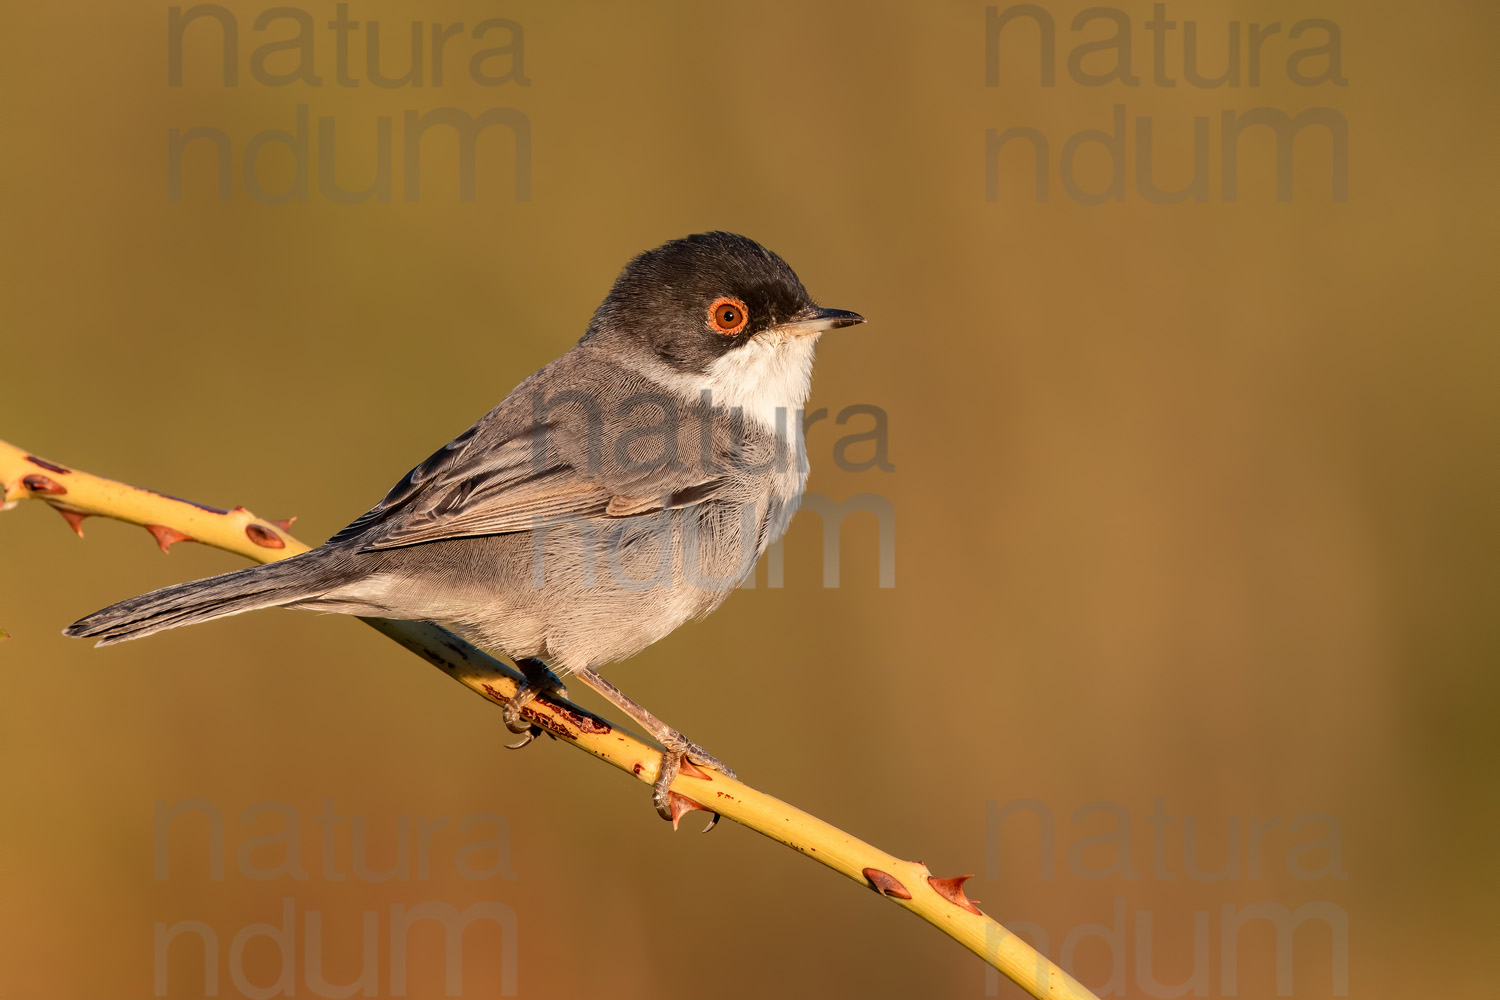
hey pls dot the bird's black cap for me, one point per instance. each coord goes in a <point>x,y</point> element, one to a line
<point>696,299</point>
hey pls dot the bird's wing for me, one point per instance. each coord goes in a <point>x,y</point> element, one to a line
<point>488,482</point>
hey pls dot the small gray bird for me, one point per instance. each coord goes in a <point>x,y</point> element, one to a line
<point>618,492</point>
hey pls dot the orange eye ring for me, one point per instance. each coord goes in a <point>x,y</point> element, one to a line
<point>728,316</point>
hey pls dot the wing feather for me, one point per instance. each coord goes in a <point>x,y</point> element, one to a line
<point>484,482</point>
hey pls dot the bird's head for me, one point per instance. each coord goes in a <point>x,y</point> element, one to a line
<point>723,314</point>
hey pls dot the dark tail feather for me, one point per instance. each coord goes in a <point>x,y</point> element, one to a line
<point>270,585</point>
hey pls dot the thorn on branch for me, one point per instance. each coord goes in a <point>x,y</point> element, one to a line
<point>886,884</point>
<point>952,889</point>
<point>681,805</point>
<point>73,517</point>
<point>692,770</point>
<point>167,537</point>
<point>37,483</point>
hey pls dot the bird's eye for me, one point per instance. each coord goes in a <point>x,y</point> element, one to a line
<point>727,315</point>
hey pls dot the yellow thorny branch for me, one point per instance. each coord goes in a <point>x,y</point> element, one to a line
<point>941,902</point>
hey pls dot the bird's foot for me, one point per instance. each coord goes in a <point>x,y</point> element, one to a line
<point>539,680</point>
<point>681,754</point>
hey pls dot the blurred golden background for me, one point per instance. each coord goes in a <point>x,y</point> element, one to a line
<point>1193,503</point>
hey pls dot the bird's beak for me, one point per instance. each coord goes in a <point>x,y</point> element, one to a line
<point>816,320</point>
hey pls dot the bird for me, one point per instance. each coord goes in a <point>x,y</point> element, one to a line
<point>618,492</point>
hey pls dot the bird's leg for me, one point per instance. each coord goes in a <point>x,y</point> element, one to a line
<point>677,747</point>
<point>539,679</point>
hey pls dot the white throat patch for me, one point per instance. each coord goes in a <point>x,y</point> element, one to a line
<point>772,372</point>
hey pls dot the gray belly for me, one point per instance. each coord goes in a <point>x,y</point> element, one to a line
<point>577,593</point>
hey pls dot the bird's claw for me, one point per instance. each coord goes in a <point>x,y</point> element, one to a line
<point>539,680</point>
<point>510,712</point>
<point>680,755</point>
<point>531,733</point>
